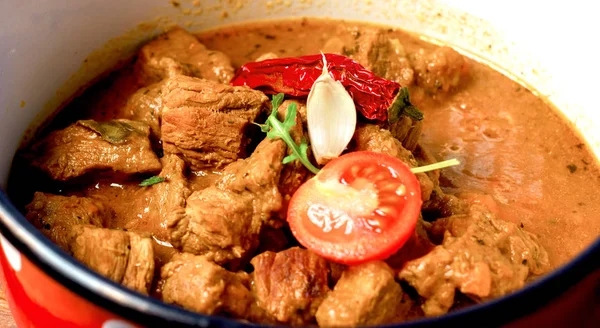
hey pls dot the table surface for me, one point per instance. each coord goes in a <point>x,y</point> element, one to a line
<point>6,319</point>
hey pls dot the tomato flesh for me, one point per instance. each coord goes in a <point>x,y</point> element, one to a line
<point>362,206</point>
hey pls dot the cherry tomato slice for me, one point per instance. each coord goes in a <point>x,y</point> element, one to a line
<point>361,206</point>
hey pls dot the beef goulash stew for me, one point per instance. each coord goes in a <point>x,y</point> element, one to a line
<point>310,171</point>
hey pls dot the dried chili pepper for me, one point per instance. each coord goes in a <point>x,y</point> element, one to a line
<point>373,96</point>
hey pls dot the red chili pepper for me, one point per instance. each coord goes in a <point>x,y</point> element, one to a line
<point>372,95</point>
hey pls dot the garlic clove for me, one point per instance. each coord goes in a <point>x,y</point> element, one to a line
<point>331,117</point>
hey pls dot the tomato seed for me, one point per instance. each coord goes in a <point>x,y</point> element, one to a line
<point>354,169</point>
<point>401,191</point>
<point>368,171</point>
<point>388,211</point>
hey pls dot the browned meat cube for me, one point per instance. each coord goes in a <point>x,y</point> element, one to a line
<point>198,284</point>
<point>440,70</point>
<point>293,174</point>
<point>219,224</point>
<point>140,265</point>
<point>376,50</point>
<point>223,221</point>
<point>55,216</point>
<point>482,256</point>
<point>161,202</point>
<point>75,224</point>
<point>258,176</point>
<point>85,146</point>
<point>442,205</point>
<point>436,71</point>
<point>367,294</point>
<point>290,285</point>
<point>416,246</point>
<point>480,224</point>
<point>266,56</point>
<point>407,130</point>
<point>272,239</point>
<point>439,204</point>
<point>387,58</point>
<point>300,113</point>
<point>145,105</point>
<point>124,257</point>
<point>372,138</point>
<point>207,122</point>
<point>424,157</point>
<point>178,52</point>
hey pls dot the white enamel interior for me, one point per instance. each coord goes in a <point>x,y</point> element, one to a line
<point>43,45</point>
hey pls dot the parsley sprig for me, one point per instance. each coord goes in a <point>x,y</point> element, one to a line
<point>277,129</point>
<point>151,181</point>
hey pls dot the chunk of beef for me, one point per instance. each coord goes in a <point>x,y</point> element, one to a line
<point>124,257</point>
<point>376,50</point>
<point>439,204</point>
<point>481,224</point>
<point>437,71</point>
<point>407,130</point>
<point>440,70</point>
<point>75,224</point>
<point>272,239</point>
<point>160,203</point>
<point>178,52</point>
<point>266,56</point>
<point>217,223</point>
<point>335,272</point>
<point>293,174</point>
<point>55,216</point>
<point>425,157</point>
<point>416,246</point>
<point>85,146</point>
<point>206,122</point>
<point>387,58</point>
<point>223,221</point>
<point>258,176</point>
<point>372,138</point>
<point>366,294</point>
<point>140,265</point>
<point>200,285</point>
<point>145,105</point>
<point>290,285</point>
<point>482,256</point>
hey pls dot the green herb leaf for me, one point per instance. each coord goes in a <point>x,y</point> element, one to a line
<point>402,106</point>
<point>435,166</point>
<point>303,152</point>
<point>277,100</point>
<point>151,181</point>
<point>115,132</point>
<point>277,129</point>
<point>289,158</point>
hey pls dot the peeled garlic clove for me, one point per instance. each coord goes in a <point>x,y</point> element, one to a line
<point>331,117</point>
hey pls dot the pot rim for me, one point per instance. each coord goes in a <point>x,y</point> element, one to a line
<point>151,312</point>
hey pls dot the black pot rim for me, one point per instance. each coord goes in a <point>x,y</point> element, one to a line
<point>153,313</point>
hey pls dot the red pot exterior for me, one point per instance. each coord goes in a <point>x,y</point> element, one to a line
<point>37,300</point>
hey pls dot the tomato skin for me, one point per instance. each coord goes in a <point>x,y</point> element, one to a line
<point>361,206</point>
